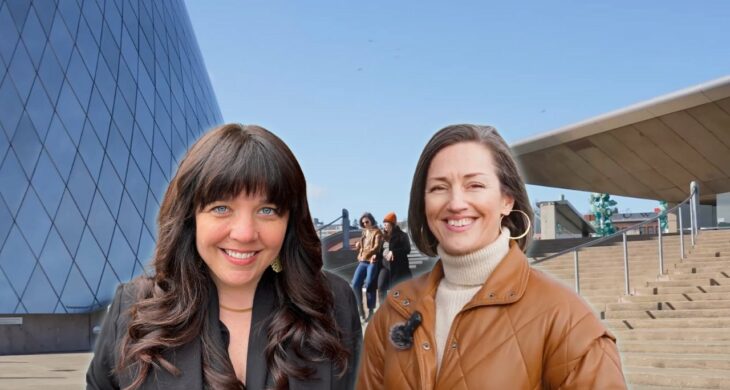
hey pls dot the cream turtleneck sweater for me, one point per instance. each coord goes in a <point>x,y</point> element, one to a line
<point>463,277</point>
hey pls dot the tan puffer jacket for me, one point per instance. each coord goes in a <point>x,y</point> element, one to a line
<point>522,330</point>
<point>371,242</point>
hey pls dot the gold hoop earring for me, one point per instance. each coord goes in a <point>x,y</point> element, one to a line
<point>276,265</point>
<point>529,224</point>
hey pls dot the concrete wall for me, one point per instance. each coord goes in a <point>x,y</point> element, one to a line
<point>707,216</point>
<point>547,221</point>
<point>723,209</point>
<point>554,225</point>
<point>48,333</point>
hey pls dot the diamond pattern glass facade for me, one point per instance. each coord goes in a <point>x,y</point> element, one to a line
<point>98,100</point>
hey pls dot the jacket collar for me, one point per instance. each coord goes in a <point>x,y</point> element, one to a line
<point>505,285</point>
<point>188,358</point>
<point>264,304</point>
<point>257,372</point>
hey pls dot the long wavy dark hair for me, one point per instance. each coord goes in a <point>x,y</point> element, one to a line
<point>172,306</point>
<point>510,181</point>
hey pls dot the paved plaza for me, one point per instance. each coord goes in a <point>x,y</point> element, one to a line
<point>48,371</point>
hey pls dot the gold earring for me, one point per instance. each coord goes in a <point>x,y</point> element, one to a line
<point>276,265</point>
<point>529,224</point>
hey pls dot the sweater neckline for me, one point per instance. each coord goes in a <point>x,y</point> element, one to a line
<point>473,269</point>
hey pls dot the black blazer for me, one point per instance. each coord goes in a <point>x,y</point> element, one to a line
<point>188,357</point>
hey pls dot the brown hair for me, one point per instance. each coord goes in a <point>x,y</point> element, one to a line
<point>369,216</point>
<point>511,183</point>
<point>173,304</point>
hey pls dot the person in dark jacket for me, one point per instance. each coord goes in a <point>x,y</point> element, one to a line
<point>397,246</point>
<point>238,298</point>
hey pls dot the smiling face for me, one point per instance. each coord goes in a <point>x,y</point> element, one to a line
<point>238,238</point>
<point>463,198</point>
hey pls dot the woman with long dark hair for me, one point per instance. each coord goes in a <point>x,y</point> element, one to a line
<point>482,318</point>
<point>238,298</point>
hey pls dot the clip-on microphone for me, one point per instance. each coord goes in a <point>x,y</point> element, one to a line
<point>402,335</point>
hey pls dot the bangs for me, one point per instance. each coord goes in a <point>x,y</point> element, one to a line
<point>238,167</point>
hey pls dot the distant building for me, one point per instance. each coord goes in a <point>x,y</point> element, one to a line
<point>626,220</point>
<point>559,219</point>
<point>98,101</point>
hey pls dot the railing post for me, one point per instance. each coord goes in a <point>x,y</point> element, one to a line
<point>345,229</point>
<point>661,249</point>
<point>577,272</point>
<point>626,265</point>
<point>681,234</point>
<point>695,190</point>
<point>697,208</point>
<point>692,220</point>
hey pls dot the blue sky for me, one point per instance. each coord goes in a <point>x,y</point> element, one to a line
<point>356,89</point>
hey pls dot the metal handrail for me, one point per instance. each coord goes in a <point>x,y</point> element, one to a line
<point>694,190</point>
<point>608,238</point>
<point>319,230</point>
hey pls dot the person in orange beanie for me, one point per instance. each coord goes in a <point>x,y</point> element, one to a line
<point>394,267</point>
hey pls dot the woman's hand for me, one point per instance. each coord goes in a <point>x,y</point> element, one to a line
<point>357,245</point>
<point>372,258</point>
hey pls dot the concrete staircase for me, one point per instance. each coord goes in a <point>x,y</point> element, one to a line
<point>418,262</point>
<point>674,330</point>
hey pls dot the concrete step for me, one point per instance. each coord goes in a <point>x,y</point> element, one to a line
<point>685,378</point>
<point>670,360</point>
<point>614,262</point>
<point>658,314</point>
<point>697,296</point>
<point>672,334</point>
<point>684,282</point>
<point>608,281</point>
<point>701,266</point>
<point>648,255</point>
<point>598,308</point>
<point>599,299</point>
<point>702,239</point>
<point>596,275</point>
<point>609,284</point>
<point>708,253</point>
<point>681,289</point>
<point>722,322</point>
<point>666,387</point>
<point>699,260</point>
<point>615,291</point>
<point>718,276</point>
<point>704,261</point>
<point>669,306</point>
<point>599,270</point>
<point>610,269</point>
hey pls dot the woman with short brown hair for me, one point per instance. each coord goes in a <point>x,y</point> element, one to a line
<point>482,318</point>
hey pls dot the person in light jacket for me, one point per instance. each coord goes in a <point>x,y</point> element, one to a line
<point>370,248</point>
<point>482,318</point>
